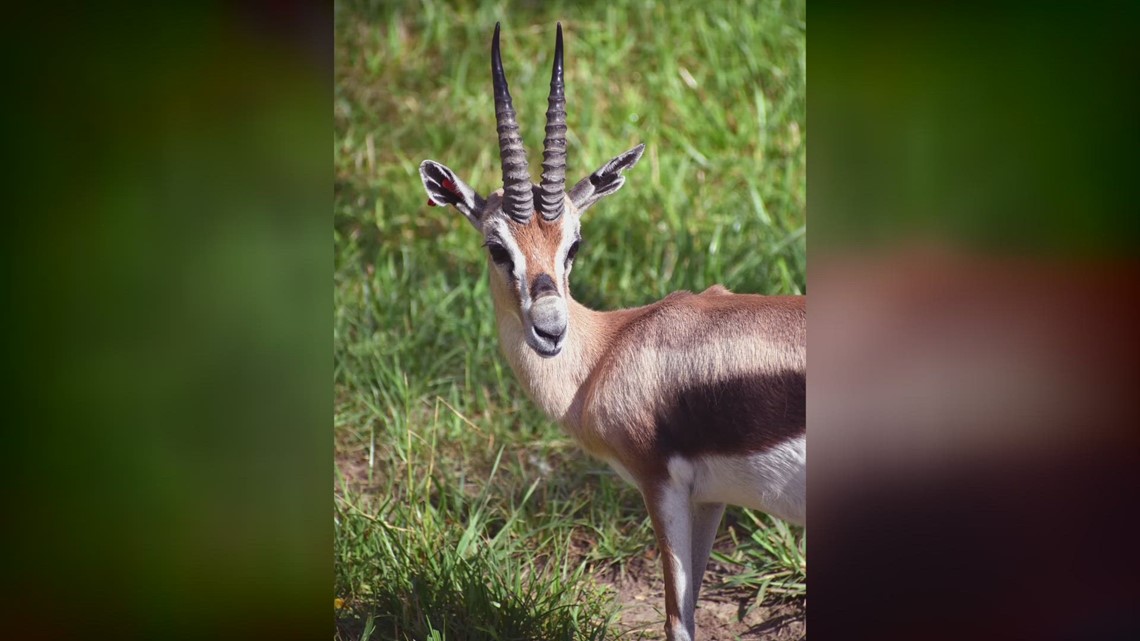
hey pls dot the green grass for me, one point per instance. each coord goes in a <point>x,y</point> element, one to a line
<point>772,560</point>
<point>461,511</point>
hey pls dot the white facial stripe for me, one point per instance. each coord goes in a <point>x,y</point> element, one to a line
<point>570,230</point>
<point>497,228</point>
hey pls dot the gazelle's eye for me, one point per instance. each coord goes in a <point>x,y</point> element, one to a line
<point>500,255</point>
<point>572,252</point>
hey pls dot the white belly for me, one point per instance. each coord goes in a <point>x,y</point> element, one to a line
<point>774,482</point>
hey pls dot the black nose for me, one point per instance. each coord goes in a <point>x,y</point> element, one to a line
<point>543,286</point>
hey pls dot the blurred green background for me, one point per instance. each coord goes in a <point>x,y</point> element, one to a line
<point>167,347</point>
<point>451,485</point>
<point>1002,128</point>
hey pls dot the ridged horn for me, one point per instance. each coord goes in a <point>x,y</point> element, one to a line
<point>553,188</point>
<point>518,199</point>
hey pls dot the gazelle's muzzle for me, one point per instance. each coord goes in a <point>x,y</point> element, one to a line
<point>547,325</point>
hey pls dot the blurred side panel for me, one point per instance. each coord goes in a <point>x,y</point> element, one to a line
<point>975,298</point>
<point>167,346</point>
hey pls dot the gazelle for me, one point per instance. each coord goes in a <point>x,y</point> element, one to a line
<point>698,400</point>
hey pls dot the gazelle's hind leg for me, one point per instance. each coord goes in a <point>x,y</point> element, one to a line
<point>705,521</point>
<point>671,512</point>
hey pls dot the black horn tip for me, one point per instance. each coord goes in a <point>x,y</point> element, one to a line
<point>558,49</point>
<point>498,77</point>
<point>495,48</point>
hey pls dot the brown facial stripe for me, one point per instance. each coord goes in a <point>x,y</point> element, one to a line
<point>733,416</point>
<point>539,241</point>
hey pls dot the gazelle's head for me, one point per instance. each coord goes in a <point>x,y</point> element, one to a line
<point>531,231</point>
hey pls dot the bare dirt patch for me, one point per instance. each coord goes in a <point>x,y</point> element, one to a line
<point>722,614</point>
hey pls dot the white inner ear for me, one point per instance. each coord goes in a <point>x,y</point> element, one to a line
<point>614,186</point>
<point>465,193</point>
<point>469,201</point>
<point>570,229</point>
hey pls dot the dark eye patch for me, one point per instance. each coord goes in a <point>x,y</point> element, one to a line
<point>499,254</point>
<point>572,252</point>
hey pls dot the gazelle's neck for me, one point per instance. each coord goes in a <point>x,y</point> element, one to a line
<point>553,383</point>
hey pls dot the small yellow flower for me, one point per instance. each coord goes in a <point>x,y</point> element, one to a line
<point>338,603</point>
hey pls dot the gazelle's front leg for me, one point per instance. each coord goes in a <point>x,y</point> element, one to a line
<point>671,512</point>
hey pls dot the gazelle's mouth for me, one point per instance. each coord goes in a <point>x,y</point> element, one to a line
<point>548,337</point>
<point>551,354</point>
<point>544,344</point>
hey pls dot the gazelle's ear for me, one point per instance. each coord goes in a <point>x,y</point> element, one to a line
<point>445,188</point>
<point>604,181</point>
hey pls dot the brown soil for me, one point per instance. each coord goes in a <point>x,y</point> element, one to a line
<point>722,615</point>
